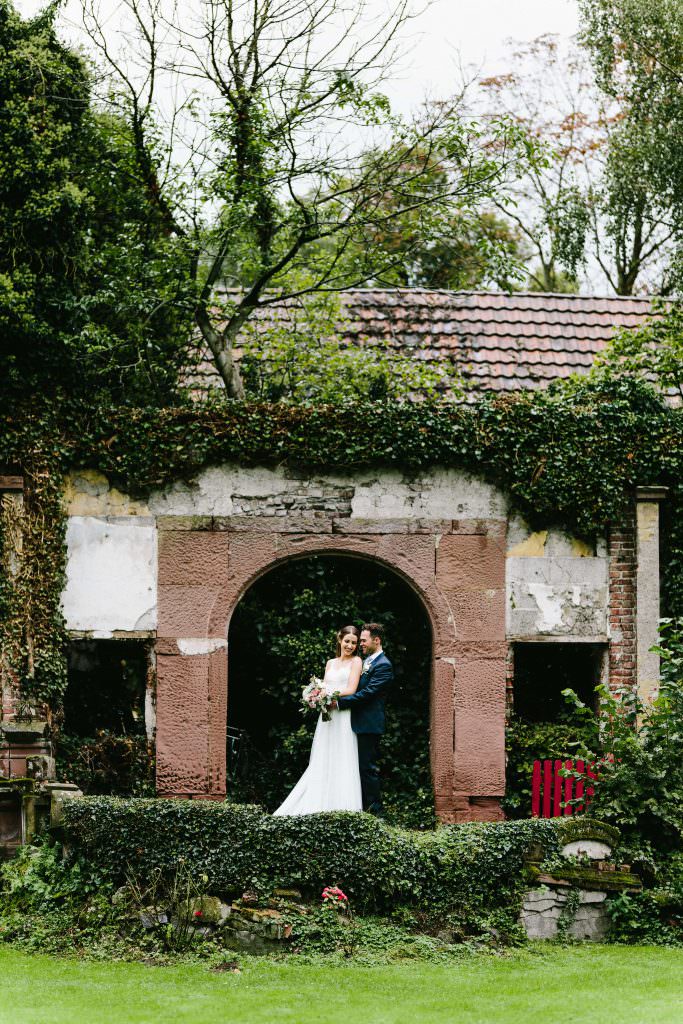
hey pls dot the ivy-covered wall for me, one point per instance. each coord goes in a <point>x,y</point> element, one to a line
<point>569,456</point>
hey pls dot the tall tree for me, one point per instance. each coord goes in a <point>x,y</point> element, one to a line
<point>636,47</point>
<point>86,301</point>
<point>264,145</point>
<point>44,93</point>
<point>592,204</point>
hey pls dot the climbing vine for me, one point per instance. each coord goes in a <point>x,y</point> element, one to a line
<point>569,455</point>
<point>32,573</point>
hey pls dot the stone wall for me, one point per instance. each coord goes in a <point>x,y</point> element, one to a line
<point>175,567</point>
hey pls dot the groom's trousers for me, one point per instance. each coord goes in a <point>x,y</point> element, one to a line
<point>368,752</point>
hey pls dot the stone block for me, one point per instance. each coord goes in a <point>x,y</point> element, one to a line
<point>465,563</point>
<point>590,848</point>
<point>193,558</point>
<point>591,923</point>
<point>441,738</point>
<point>478,615</point>
<point>187,611</point>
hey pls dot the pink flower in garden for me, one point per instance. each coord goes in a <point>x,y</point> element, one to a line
<point>198,913</point>
<point>332,893</point>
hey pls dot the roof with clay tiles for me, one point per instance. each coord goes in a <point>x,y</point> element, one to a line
<point>497,341</point>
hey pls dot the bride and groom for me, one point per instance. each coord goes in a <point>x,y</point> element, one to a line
<point>342,773</point>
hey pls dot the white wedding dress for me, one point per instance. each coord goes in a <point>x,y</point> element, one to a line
<point>332,780</point>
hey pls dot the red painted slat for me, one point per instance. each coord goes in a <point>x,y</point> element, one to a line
<point>590,789</point>
<point>557,789</point>
<point>580,767</point>
<point>536,790</point>
<point>547,784</point>
<point>568,788</point>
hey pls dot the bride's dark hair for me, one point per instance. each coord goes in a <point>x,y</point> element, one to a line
<point>342,633</point>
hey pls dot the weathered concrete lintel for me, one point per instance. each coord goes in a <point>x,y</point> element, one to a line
<point>116,634</point>
<point>11,483</point>
<point>557,638</point>
<point>655,493</point>
<point>323,522</point>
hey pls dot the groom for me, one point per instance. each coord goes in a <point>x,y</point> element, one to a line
<point>367,712</point>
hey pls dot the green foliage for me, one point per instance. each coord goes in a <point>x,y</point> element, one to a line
<point>569,455</point>
<point>32,577</point>
<point>302,359</point>
<point>650,917</point>
<point>44,90</point>
<point>636,51</point>
<point>652,352</point>
<point>457,872</point>
<point>49,905</point>
<point>106,763</point>
<point>94,296</point>
<point>637,753</point>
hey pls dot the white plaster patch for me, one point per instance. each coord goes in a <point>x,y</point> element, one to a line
<point>111,575</point>
<point>558,596</point>
<point>549,606</point>
<point>200,645</point>
<point>439,494</point>
<point>591,848</point>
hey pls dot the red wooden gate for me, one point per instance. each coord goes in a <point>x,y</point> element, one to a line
<point>551,792</point>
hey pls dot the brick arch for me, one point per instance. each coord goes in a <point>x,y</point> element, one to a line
<point>459,578</point>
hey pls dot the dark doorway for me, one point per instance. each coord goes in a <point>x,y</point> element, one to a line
<point>104,746</point>
<point>544,670</point>
<point>283,630</point>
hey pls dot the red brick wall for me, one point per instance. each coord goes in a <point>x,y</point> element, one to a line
<point>622,603</point>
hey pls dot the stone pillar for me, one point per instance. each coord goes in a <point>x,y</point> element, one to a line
<point>192,663</point>
<point>647,589</point>
<point>470,573</point>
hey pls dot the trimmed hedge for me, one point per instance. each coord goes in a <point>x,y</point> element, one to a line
<point>469,869</point>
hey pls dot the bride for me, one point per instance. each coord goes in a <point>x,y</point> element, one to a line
<point>332,780</point>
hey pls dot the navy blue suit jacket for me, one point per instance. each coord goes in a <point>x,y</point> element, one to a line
<point>367,703</point>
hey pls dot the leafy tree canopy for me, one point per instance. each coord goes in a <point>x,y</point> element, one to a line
<point>89,300</point>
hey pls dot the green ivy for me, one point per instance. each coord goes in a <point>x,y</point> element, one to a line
<point>569,455</point>
<point>460,871</point>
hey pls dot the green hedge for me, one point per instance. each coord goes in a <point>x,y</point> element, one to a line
<point>468,868</point>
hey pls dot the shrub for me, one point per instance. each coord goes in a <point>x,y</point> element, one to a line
<point>462,870</point>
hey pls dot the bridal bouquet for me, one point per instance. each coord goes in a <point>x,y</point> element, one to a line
<point>315,697</point>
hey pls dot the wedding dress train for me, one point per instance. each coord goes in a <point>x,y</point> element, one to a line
<point>332,780</point>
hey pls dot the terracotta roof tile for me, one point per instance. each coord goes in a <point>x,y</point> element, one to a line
<point>497,341</point>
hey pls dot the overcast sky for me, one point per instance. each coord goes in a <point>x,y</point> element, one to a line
<point>477,32</point>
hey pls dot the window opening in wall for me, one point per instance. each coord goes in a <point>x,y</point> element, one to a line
<point>543,725</point>
<point>105,744</point>
<point>543,670</point>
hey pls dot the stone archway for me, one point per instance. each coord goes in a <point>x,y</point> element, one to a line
<point>281,631</point>
<point>459,575</point>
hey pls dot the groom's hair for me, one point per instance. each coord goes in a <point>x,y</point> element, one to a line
<point>376,630</point>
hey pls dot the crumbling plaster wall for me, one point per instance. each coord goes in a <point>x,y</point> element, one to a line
<point>555,584</point>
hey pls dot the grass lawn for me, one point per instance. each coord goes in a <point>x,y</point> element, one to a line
<point>609,985</point>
